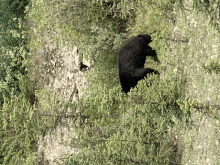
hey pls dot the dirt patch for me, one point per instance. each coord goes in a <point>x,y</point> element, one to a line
<point>59,69</point>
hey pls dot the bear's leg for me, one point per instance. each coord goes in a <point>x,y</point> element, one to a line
<point>142,72</point>
<point>150,52</point>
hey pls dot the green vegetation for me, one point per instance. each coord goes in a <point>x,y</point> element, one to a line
<point>165,120</point>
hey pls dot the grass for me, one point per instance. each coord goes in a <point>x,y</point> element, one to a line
<point>187,46</point>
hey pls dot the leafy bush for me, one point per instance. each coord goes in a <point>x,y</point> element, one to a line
<point>133,129</point>
<point>13,48</point>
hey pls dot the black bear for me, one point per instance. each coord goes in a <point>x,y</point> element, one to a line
<point>131,61</point>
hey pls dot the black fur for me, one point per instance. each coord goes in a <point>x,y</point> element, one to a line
<point>131,61</point>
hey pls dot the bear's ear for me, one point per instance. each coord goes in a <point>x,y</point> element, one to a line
<point>146,37</point>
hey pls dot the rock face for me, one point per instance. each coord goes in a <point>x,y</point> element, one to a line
<point>64,73</point>
<point>61,71</point>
